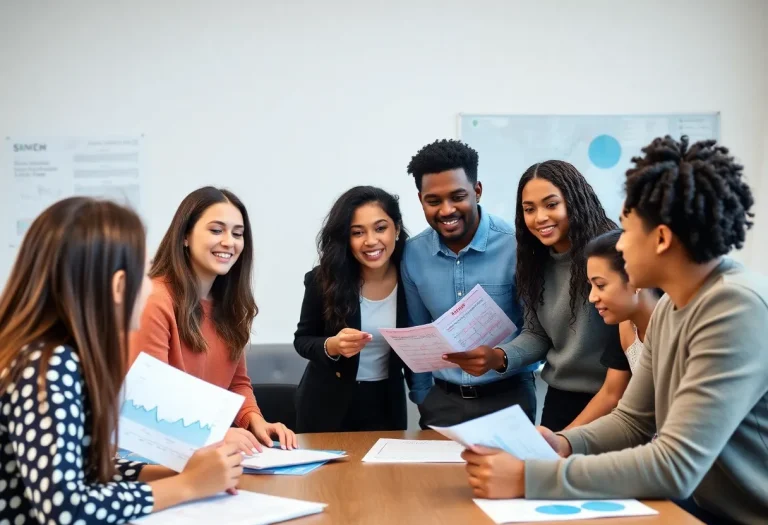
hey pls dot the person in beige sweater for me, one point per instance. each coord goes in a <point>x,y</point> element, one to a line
<point>694,418</point>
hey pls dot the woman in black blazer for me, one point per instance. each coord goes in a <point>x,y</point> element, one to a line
<point>354,380</point>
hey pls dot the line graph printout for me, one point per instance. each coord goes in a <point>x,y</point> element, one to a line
<point>167,414</point>
<point>474,321</point>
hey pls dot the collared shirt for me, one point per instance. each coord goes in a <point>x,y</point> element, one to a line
<point>435,279</point>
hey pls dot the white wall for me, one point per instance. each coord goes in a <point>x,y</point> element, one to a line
<point>289,103</point>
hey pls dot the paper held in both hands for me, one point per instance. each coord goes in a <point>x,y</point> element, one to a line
<point>474,321</point>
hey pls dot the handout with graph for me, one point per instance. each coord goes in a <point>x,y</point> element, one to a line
<point>388,450</point>
<point>245,508</point>
<point>167,414</point>
<point>508,429</point>
<point>474,321</point>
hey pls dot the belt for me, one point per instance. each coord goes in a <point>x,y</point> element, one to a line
<point>488,389</point>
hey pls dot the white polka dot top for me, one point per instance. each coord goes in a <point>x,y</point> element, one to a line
<point>44,440</point>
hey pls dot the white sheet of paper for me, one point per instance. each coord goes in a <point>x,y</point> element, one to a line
<point>474,321</point>
<point>275,457</point>
<point>167,414</point>
<point>246,508</point>
<point>531,510</point>
<point>508,429</point>
<point>414,451</point>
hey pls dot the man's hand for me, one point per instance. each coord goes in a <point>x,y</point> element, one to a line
<point>478,361</point>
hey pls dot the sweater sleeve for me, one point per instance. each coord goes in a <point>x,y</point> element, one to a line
<point>724,377</point>
<point>154,334</point>
<point>531,346</point>
<point>241,384</point>
<point>48,437</point>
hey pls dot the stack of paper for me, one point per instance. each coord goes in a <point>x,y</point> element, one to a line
<point>529,510</point>
<point>414,451</point>
<point>246,508</point>
<point>275,457</point>
<point>508,429</point>
<point>295,470</point>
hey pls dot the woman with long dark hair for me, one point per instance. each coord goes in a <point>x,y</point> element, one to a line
<point>353,380</point>
<point>76,291</point>
<point>558,213</point>
<point>198,318</point>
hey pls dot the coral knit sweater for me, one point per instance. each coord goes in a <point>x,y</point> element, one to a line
<point>158,336</point>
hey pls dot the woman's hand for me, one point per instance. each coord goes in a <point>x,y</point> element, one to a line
<point>348,342</point>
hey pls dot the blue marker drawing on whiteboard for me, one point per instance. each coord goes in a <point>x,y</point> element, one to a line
<point>604,151</point>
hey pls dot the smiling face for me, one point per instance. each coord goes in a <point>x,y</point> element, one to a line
<point>372,236</point>
<point>449,201</point>
<point>611,293</point>
<point>216,240</point>
<point>546,215</point>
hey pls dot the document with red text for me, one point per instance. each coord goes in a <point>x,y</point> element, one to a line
<point>474,321</point>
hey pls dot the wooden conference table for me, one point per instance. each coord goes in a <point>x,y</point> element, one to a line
<point>363,493</point>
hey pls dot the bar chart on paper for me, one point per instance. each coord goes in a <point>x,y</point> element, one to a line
<point>167,414</point>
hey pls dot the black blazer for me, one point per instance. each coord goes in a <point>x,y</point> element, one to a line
<point>327,386</point>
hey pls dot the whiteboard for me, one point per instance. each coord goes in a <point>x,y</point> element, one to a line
<point>600,146</point>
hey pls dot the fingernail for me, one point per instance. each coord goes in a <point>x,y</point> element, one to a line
<point>282,446</point>
<point>254,450</point>
<point>445,357</point>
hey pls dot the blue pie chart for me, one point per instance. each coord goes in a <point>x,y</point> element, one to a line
<point>602,506</point>
<point>558,510</point>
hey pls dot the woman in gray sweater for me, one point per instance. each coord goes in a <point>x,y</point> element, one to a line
<point>702,382</point>
<point>558,213</point>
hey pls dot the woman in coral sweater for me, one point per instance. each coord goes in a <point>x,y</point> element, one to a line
<point>198,318</point>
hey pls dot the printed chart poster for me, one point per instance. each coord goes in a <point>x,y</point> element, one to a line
<point>45,170</point>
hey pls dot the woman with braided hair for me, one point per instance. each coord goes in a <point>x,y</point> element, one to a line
<point>586,370</point>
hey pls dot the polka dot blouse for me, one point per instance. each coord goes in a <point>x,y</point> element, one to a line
<point>44,441</point>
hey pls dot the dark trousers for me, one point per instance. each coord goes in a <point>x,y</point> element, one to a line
<point>690,506</point>
<point>561,408</point>
<point>442,408</point>
<point>370,408</point>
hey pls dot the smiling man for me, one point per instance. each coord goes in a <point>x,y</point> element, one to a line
<point>464,246</point>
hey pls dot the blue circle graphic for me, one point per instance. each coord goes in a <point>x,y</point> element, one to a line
<point>602,506</point>
<point>558,510</point>
<point>604,151</point>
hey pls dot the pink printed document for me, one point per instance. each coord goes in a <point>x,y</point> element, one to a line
<point>474,321</point>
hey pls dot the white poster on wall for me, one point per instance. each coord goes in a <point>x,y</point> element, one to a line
<point>45,170</point>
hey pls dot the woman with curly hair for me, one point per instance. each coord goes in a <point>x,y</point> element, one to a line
<point>353,380</point>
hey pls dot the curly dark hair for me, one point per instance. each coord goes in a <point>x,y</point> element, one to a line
<point>696,190</point>
<point>339,274</point>
<point>586,219</point>
<point>443,155</point>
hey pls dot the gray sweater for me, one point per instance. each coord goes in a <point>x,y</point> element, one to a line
<point>703,382</point>
<point>572,351</point>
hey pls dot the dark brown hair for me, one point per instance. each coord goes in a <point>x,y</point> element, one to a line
<point>339,272</point>
<point>233,305</point>
<point>60,293</point>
